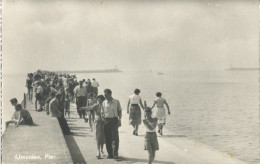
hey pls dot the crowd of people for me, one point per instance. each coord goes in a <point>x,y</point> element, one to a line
<point>54,92</point>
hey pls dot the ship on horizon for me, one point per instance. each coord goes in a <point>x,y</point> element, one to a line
<point>114,70</point>
<point>231,68</point>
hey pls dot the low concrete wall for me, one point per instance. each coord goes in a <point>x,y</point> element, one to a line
<point>40,143</point>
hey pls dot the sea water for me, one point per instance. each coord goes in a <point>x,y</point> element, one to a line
<point>217,108</point>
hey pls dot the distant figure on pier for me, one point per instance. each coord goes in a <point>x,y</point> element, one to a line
<point>29,85</point>
<point>37,76</point>
<point>81,98</point>
<point>15,116</point>
<point>95,86</point>
<point>55,112</point>
<point>48,100</point>
<point>150,139</point>
<point>89,87</point>
<point>54,106</point>
<point>135,111</point>
<point>61,90</point>
<point>160,111</point>
<point>70,84</point>
<point>38,96</point>
<point>91,117</point>
<point>24,116</point>
<point>67,105</point>
<point>112,114</point>
<point>64,81</point>
<point>89,82</point>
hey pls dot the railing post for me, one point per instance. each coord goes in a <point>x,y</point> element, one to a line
<point>24,100</point>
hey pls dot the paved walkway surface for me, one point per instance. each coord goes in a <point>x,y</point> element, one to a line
<point>41,143</point>
<point>46,142</point>
<point>174,148</point>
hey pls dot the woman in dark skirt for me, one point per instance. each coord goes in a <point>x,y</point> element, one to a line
<point>99,124</point>
<point>135,111</point>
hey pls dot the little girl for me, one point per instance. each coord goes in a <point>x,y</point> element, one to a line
<point>150,138</point>
<point>67,105</point>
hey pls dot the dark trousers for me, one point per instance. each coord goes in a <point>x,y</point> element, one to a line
<point>95,91</point>
<point>38,99</point>
<point>30,93</point>
<point>81,101</point>
<point>111,135</point>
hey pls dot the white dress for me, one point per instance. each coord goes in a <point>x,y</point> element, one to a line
<point>159,111</point>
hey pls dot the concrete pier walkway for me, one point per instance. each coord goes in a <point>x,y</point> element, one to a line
<point>45,143</point>
<point>174,148</point>
<point>41,143</point>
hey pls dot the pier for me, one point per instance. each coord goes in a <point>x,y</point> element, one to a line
<point>40,143</point>
<point>45,143</point>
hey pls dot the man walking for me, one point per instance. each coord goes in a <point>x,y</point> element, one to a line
<point>95,86</point>
<point>112,114</point>
<point>54,107</point>
<point>81,98</point>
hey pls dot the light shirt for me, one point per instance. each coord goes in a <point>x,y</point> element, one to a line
<point>39,90</point>
<point>134,99</point>
<point>64,80</point>
<point>95,84</point>
<point>54,108</point>
<point>80,91</point>
<point>159,101</point>
<point>111,108</point>
<point>91,102</point>
<point>16,115</point>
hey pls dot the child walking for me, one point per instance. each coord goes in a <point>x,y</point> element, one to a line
<point>150,138</point>
<point>67,105</point>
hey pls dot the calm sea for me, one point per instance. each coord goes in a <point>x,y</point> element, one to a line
<point>217,108</point>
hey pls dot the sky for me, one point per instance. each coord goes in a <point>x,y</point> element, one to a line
<point>134,35</point>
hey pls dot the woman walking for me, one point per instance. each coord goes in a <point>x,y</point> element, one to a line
<point>160,111</point>
<point>135,111</point>
<point>91,114</point>
<point>99,124</point>
<point>29,85</point>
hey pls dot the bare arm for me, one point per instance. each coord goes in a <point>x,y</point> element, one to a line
<point>151,127</point>
<point>147,124</point>
<point>93,107</point>
<point>119,110</point>
<point>141,103</point>
<point>128,106</point>
<point>19,119</point>
<point>153,105</point>
<point>169,112</point>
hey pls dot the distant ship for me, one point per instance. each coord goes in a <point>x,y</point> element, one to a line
<point>241,69</point>
<point>160,73</point>
<point>92,71</point>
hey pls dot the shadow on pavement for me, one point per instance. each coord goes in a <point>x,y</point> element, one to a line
<point>173,136</point>
<point>136,160</point>
<point>75,152</point>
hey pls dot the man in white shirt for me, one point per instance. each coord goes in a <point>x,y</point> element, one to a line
<point>81,98</point>
<point>112,112</point>
<point>95,86</point>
